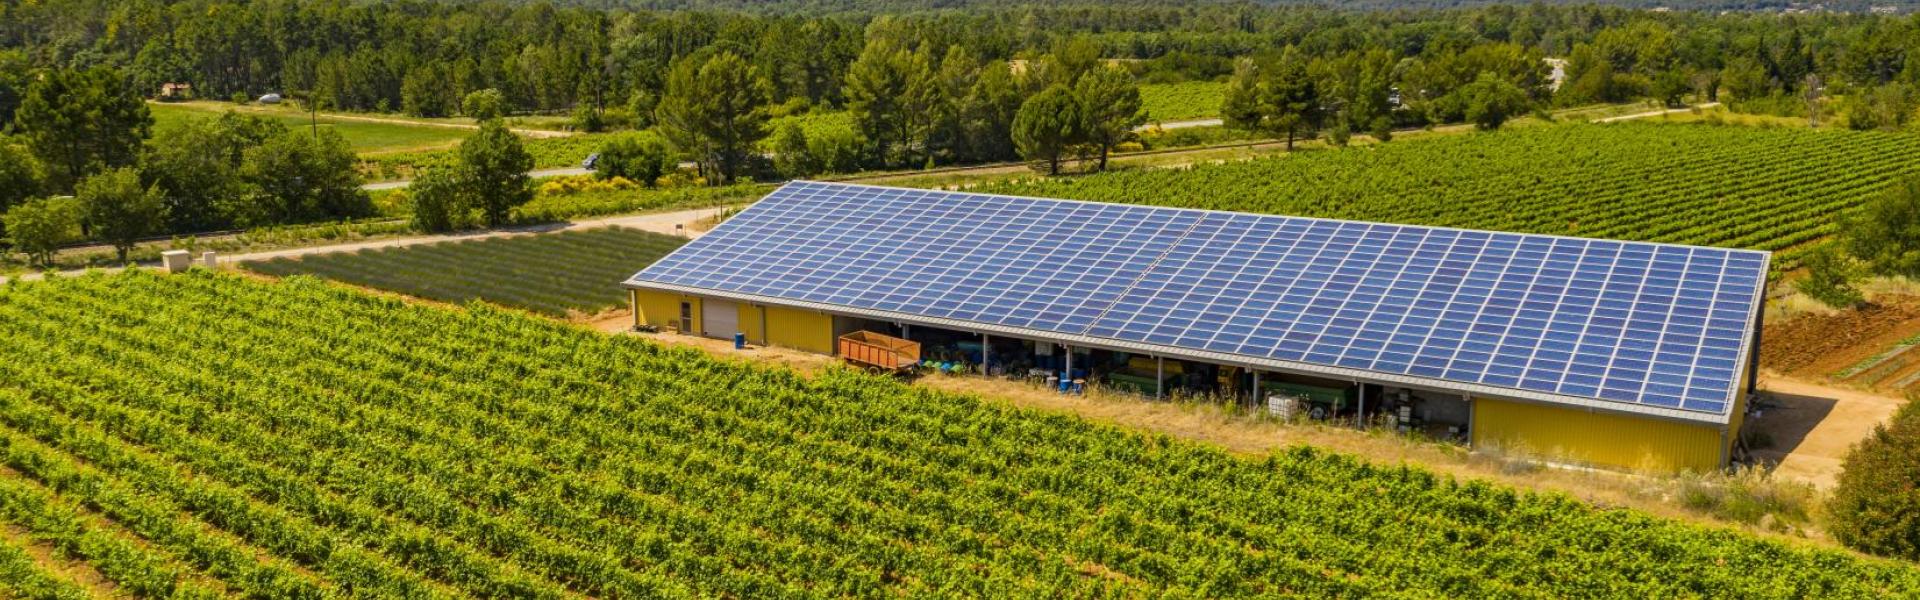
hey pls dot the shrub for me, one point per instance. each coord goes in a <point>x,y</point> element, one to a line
<point>1876,503</point>
<point>1829,279</point>
<point>39,227</point>
<point>836,150</point>
<point>588,119</point>
<point>437,203</point>
<point>484,104</point>
<point>637,156</point>
<point>793,157</point>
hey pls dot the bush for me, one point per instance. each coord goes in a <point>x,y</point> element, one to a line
<point>588,119</point>
<point>837,150</point>
<point>1876,505</point>
<point>39,227</point>
<point>437,203</point>
<point>638,156</point>
<point>793,157</point>
<point>484,104</point>
<point>1340,134</point>
<point>1829,279</point>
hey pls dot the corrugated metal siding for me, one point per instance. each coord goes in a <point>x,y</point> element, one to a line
<point>799,329</point>
<point>1596,438</point>
<point>662,309</point>
<point>1739,416</point>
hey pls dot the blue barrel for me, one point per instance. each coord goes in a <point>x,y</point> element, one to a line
<point>739,341</point>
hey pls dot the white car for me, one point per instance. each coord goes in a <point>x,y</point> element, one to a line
<point>270,99</point>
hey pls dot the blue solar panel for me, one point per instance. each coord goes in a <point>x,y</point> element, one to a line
<point>1639,323</point>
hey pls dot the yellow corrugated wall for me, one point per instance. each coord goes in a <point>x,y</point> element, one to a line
<point>662,309</point>
<point>749,320</point>
<point>793,328</point>
<point>788,327</point>
<point>1739,413</point>
<point>1602,439</point>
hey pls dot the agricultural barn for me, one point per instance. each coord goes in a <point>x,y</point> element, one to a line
<point>1599,352</point>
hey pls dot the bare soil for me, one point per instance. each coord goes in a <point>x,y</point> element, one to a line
<point>1817,346</point>
<point>1811,426</point>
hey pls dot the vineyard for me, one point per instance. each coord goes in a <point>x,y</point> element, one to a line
<point>1768,189</point>
<point>1167,102</point>
<point>208,435</point>
<point>550,273</point>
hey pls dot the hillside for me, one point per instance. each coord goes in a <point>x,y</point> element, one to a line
<point>214,434</point>
<point>1762,188</point>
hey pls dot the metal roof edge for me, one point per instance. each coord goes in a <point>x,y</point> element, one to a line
<point>1593,404</point>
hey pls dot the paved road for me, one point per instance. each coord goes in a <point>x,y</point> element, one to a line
<point>392,185</point>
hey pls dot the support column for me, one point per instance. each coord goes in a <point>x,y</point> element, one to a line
<point>1360,412</point>
<point>1066,376</point>
<point>906,331</point>
<point>1159,377</point>
<point>1470,420</point>
<point>1254,392</point>
<point>764,334</point>
<point>986,354</point>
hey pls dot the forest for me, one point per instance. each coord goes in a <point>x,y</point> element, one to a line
<point>922,86</point>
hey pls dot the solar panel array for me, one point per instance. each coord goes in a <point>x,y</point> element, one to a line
<point>1639,323</point>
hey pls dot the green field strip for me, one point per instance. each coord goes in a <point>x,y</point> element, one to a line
<point>550,273</point>
<point>474,578</point>
<point>136,568</point>
<point>23,576</point>
<point>713,478</point>
<point>1767,189</point>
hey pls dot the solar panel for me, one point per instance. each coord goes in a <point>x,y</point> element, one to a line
<point>1634,323</point>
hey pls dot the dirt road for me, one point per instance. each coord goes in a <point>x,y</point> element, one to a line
<point>1656,113</point>
<point>1813,425</point>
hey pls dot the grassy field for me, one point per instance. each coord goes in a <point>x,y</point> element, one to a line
<point>548,153</point>
<point>1764,188</point>
<point>208,434</point>
<point>1182,101</point>
<point>364,136</point>
<point>550,273</point>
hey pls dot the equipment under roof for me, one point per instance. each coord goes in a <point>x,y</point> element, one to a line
<point>1637,327</point>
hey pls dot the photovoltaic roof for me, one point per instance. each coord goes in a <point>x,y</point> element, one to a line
<point>1641,327</point>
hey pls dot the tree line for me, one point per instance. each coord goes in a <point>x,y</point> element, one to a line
<point>934,87</point>
<point>83,162</point>
<point>423,57</point>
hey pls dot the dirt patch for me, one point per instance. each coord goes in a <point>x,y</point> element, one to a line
<point>1816,346</point>
<point>1810,427</point>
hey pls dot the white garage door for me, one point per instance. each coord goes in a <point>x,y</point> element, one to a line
<point>720,318</point>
